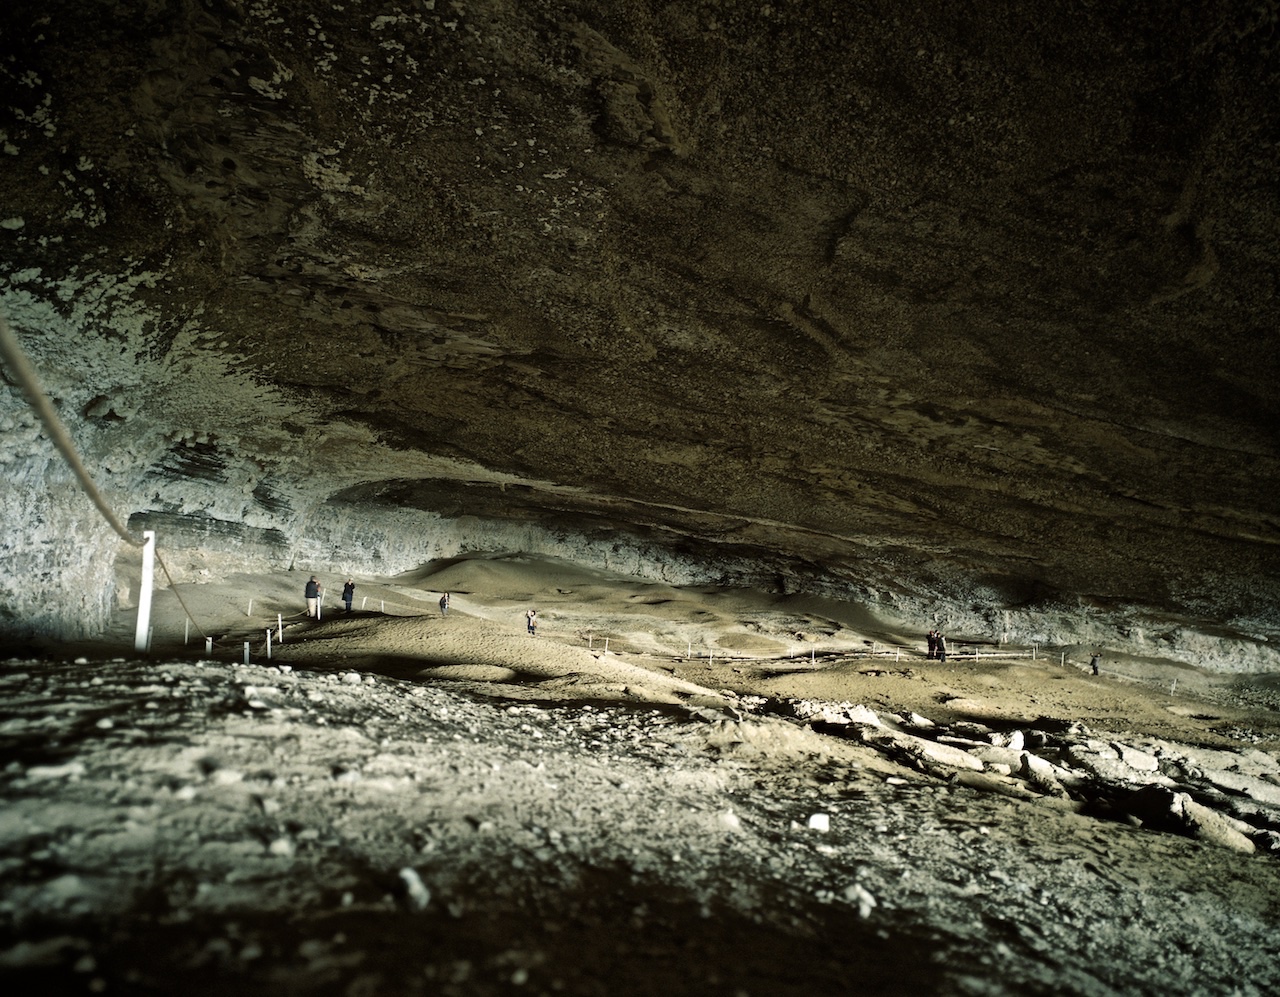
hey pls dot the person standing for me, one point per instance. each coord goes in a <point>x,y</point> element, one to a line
<point>531,620</point>
<point>932,638</point>
<point>312,593</point>
<point>1093,662</point>
<point>444,604</point>
<point>348,593</point>
<point>942,646</point>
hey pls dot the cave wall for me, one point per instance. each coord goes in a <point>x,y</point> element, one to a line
<point>57,554</point>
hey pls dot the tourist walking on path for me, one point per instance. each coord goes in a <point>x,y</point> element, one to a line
<point>312,593</point>
<point>942,646</point>
<point>1093,662</point>
<point>348,593</point>
<point>444,604</point>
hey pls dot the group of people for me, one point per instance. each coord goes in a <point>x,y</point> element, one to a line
<point>313,591</point>
<point>937,645</point>
<point>935,639</point>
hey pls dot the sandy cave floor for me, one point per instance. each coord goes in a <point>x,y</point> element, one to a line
<point>402,803</point>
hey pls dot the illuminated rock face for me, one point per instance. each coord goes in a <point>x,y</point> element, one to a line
<point>963,315</point>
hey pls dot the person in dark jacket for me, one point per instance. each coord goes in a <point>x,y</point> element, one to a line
<point>942,646</point>
<point>932,638</point>
<point>312,593</point>
<point>444,604</point>
<point>348,593</point>
<point>1093,662</point>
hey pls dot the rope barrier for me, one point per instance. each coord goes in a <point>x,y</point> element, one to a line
<point>177,595</point>
<point>39,401</point>
<point>25,374</point>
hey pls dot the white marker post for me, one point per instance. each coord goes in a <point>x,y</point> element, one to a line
<point>246,652</point>
<point>268,643</point>
<point>280,627</point>
<point>208,645</point>
<point>186,631</point>
<point>362,602</point>
<point>140,640</point>
<point>249,611</point>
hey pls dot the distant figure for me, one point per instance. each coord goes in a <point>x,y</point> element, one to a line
<point>531,619</point>
<point>444,604</point>
<point>348,593</point>
<point>1093,662</point>
<point>932,638</point>
<point>312,593</point>
<point>942,646</point>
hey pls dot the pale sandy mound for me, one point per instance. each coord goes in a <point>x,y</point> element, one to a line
<point>752,643</point>
<point>514,578</point>
<point>465,648</point>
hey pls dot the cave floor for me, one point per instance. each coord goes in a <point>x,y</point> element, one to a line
<point>491,812</point>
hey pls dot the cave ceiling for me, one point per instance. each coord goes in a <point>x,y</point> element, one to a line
<point>972,290</point>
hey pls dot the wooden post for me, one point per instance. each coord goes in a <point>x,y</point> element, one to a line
<point>144,590</point>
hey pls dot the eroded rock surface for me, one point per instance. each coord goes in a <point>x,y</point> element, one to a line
<point>968,311</point>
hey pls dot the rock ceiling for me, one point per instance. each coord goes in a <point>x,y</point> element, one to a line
<point>969,297</point>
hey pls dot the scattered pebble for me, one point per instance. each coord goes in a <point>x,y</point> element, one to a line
<point>419,895</point>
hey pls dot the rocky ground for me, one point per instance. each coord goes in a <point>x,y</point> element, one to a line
<point>360,815</point>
